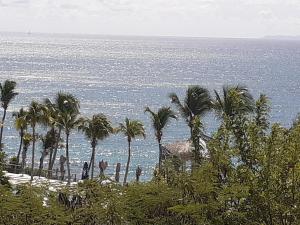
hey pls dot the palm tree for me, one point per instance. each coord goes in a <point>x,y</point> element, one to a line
<point>33,117</point>
<point>96,128</point>
<point>7,94</point>
<point>196,104</point>
<point>130,129</point>
<point>197,101</point>
<point>68,111</point>
<point>20,125</point>
<point>236,100</point>
<point>69,122</point>
<point>53,111</point>
<point>159,121</point>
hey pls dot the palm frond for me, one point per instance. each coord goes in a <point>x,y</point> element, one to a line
<point>197,101</point>
<point>96,128</point>
<point>183,110</point>
<point>235,100</point>
<point>7,92</point>
<point>132,129</point>
<point>67,103</point>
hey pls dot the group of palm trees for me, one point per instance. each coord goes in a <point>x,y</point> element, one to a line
<point>62,115</point>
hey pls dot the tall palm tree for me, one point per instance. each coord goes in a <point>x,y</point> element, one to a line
<point>197,101</point>
<point>196,104</point>
<point>95,129</point>
<point>7,94</point>
<point>159,121</point>
<point>33,117</point>
<point>68,108</point>
<point>64,103</point>
<point>130,129</point>
<point>20,125</point>
<point>69,122</point>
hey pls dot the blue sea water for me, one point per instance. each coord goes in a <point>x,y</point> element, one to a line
<point>120,76</point>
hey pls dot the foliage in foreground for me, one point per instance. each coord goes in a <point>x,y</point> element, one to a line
<point>252,176</point>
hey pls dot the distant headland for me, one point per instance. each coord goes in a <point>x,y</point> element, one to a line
<point>283,37</point>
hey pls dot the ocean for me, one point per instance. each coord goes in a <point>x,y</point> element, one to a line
<point>121,75</point>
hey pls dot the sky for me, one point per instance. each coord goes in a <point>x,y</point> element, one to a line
<point>193,18</point>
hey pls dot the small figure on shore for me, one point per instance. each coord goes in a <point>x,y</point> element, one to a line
<point>138,173</point>
<point>118,169</point>
<point>102,166</point>
<point>62,161</point>
<point>85,171</point>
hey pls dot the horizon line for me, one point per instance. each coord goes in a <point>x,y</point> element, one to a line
<point>266,37</point>
<point>126,35</point>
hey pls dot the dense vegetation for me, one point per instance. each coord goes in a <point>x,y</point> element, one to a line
<point>250,174</point>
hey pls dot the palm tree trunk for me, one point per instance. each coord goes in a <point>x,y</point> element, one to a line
<point>90,164</point>
<point>50,162</point>
<point>2,126</point>
<point>23,163</point>
<point>20,150</point>
<point>20,146</point>
<point>54,154</point>
<point>159,157</point>
<point>33,149</point>
<point>67,156</point>
<point>191,125</point>
<point>191,131</point>
<point>127,165</point>
<point>41,166</point>
<point>93,161</point>
<point>51,154</point>
<point>194,160</point>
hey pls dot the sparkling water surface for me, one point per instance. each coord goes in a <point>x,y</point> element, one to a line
<point>120,76</point>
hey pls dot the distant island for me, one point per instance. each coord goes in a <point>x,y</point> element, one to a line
<point>283,37</point>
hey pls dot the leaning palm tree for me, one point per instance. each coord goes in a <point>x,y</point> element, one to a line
<point>33,117</point>
<point>50,119</point>
<point>48,143</point>
<point>21,126</point>
<point>7,94</point>
<point>159,121</point>
<point>68,109</point>
<point>95,129</point>
<point>130,129</point>
<point>197,102</point>
<point>27,139</point>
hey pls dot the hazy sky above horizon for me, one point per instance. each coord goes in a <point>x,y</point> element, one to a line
<point>208,18</point>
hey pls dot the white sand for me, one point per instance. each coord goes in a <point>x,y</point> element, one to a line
<point>17,179</point>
